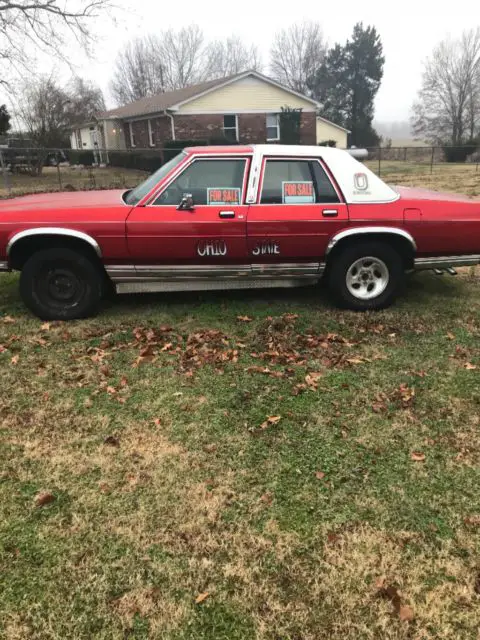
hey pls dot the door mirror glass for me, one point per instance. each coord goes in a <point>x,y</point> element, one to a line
<point>186,203</point>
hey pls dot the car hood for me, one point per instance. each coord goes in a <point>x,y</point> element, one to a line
<point>415,193</point>
<point>64,200</point>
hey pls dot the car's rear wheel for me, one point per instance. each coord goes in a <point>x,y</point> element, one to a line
<point>366,276</point>
<point>61,284</point>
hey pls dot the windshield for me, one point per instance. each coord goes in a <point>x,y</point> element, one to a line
<point>134,196</point>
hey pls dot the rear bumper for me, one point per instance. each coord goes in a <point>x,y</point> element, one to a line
<point>4,266</point>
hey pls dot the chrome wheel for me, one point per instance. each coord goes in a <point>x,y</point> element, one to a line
<point>367,278</point>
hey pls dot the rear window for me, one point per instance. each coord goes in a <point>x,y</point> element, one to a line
<point>296,182</point>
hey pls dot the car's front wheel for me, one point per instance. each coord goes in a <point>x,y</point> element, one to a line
<point>366,276</point>
<point>61,284</point>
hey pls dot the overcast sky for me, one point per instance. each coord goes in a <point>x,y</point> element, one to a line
<point>409,30</point>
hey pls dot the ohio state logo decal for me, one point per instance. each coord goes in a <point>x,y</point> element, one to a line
<point>268,248</point>
<point>212,248</point>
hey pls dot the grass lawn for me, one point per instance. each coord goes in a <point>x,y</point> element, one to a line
<point>244,465</point>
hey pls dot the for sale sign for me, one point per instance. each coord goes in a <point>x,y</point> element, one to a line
<point>219,196</point>
<point>296,192</point>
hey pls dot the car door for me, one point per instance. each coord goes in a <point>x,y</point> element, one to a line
<point>211,232</point>
<point>298,209</point>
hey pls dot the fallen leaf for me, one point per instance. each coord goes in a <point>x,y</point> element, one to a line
<point>15,359</point>
<point>244,319</point>
<point>469,366</point>
<point>417,456</point>
<point>104,487</point>
<point>405,613</point>
<point>201,597</point>
<point>111,390</point>
<point>319,475</point>
<point>157,422</point>
<point>472,521</point>
<point>121,400</point>
<point>476,586</point>
<point>105,371</point>
<point>45,326</point>
<point>355,360</point>
<point>450,336</point>
<point>210,448</point>
<point>8,320</point>
<point>88,402</point>
<point>123,381</point>
<point>112,441</point>
<point>380,582</point>
<point>267,497</point>
<point>43,498</point>
<point>271,420</point>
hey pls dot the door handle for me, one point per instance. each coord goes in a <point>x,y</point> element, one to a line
<point>226,214</point>
<point>330,213</point>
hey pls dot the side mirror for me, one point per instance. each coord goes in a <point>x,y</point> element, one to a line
<point>186,203</point>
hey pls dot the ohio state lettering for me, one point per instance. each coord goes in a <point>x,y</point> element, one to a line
<point>212,248</point>
<point>266,249</point>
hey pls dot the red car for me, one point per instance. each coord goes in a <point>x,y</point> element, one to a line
<point>231,218</point>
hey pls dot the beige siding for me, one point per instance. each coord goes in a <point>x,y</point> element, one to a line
<point>248,94</point>
<point>326,131</point>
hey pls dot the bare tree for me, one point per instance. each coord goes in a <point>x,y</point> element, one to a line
<point>157,63</point>
<point>48,110</point>
<point>138,71</point>
<point>296,54</point>
<point>447,110</point>
<point>45,25</point>
<point>231,56</point>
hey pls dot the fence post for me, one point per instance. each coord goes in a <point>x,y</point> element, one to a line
<point>379,160</point>
<point>59,175</point>
<point>432,160</point>
<point>5,175</point>
<point>405,154</point>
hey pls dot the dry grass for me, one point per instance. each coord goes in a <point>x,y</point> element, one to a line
<point>164,486</point>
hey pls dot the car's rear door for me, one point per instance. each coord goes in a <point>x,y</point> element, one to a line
<point>213,232</point>
<point>298,209</point>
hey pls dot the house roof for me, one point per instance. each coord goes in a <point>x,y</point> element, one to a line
<point>173,99</point>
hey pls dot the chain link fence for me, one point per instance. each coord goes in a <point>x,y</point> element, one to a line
<point>31,170</point>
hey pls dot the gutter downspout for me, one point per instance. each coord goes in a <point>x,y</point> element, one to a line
<point>172,123</point>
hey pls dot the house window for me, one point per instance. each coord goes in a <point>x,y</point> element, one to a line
<point>230,128</point>
<point>273,127</point>
<point>132,135</point>
<point>151,137</point>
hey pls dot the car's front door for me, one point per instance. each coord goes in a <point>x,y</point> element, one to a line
<point>298,209</point>
<point>209,230</point>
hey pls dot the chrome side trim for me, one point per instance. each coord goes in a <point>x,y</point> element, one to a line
<point>177,273</point>
<point>436,262</point>
<point>309,269</point>
<point>4,266</point>
<point>346,233</point>
<point>55,231</point>
<point>209,285</point>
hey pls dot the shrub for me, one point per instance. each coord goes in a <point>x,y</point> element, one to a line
<point>143,161</point>
<point>460,153</point>
<point>81,157</point>
<point>290,125</point>
<point>328,143</point>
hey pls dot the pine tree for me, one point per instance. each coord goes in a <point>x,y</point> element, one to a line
<point>348,81</point>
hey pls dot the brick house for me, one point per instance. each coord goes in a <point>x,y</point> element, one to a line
<point>243,108</point>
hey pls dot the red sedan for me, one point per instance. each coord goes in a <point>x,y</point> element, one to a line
<point>231,218</point>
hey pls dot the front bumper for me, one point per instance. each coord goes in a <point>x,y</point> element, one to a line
<point>4,266</point>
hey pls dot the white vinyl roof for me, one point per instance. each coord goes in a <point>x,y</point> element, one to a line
<point>358,184</point>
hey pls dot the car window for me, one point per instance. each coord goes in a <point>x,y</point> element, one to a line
<point>296,182</point>
<point>211,182</point>
<point>135,195</point>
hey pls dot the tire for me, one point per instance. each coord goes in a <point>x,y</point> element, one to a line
<point>367,276</point>
<point>61,284</point>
